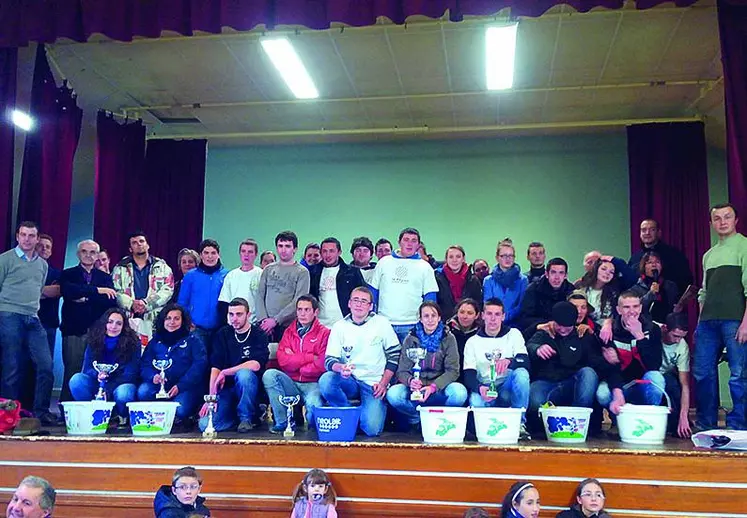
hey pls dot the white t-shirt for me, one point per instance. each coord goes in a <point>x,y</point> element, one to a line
<point>368,275</point>
<point>675,358</point>
<point>508,345</point>
<point>242,284</point>
<point>329,305</point>
<point>402,284</point>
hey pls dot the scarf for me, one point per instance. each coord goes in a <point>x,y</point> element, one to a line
<point>508,278</point>
<point>431,342</point>
<point>457,280</point>
<point>302,330</point>
<point>169,338</point>
<point>210,269</point>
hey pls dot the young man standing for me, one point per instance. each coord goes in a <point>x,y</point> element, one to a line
<point>362,251</point>
<point>383,248</point>
<point>49,306</point>
<point>243,281</point>
<point>675,366</point>
<point>536,258</point>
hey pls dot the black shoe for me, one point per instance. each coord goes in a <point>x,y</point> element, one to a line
<point>524,434</point>
<point>245,426</point>
<point>47,419</point>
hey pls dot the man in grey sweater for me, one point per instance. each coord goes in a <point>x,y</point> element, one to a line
<point>22,275</point>
<point>280,285</point>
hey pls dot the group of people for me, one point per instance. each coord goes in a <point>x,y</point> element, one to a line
<point>406,330</point>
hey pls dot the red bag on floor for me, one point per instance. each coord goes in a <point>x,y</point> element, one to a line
<point>10,414</point>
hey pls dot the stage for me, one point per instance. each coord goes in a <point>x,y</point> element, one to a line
<point>394,475</point>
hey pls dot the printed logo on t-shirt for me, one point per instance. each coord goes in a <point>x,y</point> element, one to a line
<point>328,283</point>
<point>400,275</point>
<point>278,284</point>
<point>246,352</point>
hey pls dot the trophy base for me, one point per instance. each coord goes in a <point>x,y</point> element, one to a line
<point>162,396</point>
<point>209,435</point>
<point>491,393</point>
<point>416,396</point>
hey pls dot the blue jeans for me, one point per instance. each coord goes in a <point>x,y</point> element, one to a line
<point>710,338</point>
<point>454,394</point>
<point>402,331</point>
<point>235,402</point>
<point>84,387</point>
<point>578,390</point>
<point>23,336</point>
<point>278,383</point>
<point>637,394</point>
<point>674,391</point>
<point>513,392</point>
<point>188,399</point>
<point>338,391</point>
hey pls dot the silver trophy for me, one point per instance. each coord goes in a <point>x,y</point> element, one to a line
<point>103,368</point>
<point>211,400</point>
<point>162,365</point>
<point>347,351</point>
<point>492,357</point>
<point>416,355</point>
<point>289,402</point>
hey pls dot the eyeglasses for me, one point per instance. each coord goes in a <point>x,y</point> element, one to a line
<point>360,302</point>
<point>184,487</point>
<point>587,494</point>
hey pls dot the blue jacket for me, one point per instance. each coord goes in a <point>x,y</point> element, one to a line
<point>189,362</point>
<point>125,373</point>
<point>509,287</point>
<point>199,295</point>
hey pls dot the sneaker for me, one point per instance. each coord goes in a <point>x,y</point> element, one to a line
<point>524,434</point>
<point>279,428</point>
<point>245,426</point>
<point>47,419</point>
<point>123,421</point>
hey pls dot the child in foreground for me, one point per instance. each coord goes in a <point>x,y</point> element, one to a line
<point>314,497</point>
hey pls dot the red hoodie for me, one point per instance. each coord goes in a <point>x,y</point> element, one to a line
<point>303,358</point>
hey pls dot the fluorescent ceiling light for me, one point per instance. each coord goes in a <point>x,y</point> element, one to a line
<point>22,120</point>
<point>500,47</point>
<point>285,59</point>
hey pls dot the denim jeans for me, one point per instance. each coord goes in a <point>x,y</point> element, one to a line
<point>235,402</point>
<point>513,392</point>
<point>674,391</point>
<point>23,336</point>
<point>338,391</point>
<point>578,390</point>
<point>278,383</point>
<point>710,338</point>
<point>402,331</point>
<point>649,394</point>
<point>84,387</point>
<point>188,399</point>
<point>454,394</point>
<point>206,337</point>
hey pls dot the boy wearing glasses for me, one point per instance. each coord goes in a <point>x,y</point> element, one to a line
<point>182,498</point>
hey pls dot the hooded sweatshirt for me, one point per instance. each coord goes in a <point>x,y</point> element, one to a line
<point>166,505</point>
<point>508,286</point>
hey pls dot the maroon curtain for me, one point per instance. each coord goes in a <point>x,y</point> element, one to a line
<point>47,178</point>
<point>8,65</point>
<point>120,155</point>
<point>22,21</point>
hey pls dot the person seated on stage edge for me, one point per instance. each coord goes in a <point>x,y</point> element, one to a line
<point>237,362</point>
<point>521,501</point>
<point>300,355</point>
<point>602,289</point>
<point>110,340</point>
<point>511,364</point>
<point>456,281</point>
<point>464,325</point>
<point>675,366</point>
<point>34,498</point>
<point>185,378</point>
<point>589,501</point>
<point>658,294</point>
<point>636,352</point>
<point>182,498</point>
<point>314,496</point>
<point>541,295</point>
<point>374,356</point>
<point>440,368</point>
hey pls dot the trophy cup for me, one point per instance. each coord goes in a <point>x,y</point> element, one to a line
<point>289,402</point>
<point>492,357</point>
<point>210,433</point>
<point>162,365</point>
<point>103,368</point>
<point>347,350</point>
<point>416,355</point>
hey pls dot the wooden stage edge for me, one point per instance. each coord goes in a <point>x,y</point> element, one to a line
<point>117,476</point>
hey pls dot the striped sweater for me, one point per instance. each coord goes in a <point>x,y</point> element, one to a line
<point>724,290</point>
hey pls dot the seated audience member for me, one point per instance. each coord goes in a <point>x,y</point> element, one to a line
<point>584,322</point>
<point>625,275</point>
<point>506,345</point>
<point>314,496</point>
<point>673,260</point>
<point>476,512</point>
<point>187,259</point>
<point>103,262</point>
<point>185,379</point>
<point>506,282</point>
<point>332,281</point>
<point>675,366</point>
<point>267,257</point>
<point>373,358</point>
<point>428,258</point>
<point>401,282</point>
<point>200,291</point>
<point>110,340</point>
<point>542,295</point>
<point>301,354</point>
<point>589,502</point>
<point>456,281</point>
<point>237,363</point>
<point>49,305</point>
<point>312,254</point>
<point>658,294</point>
<point>33,498</point>
<point>362,250</point>
<point>182,498</point>
<point>536,258</point>
<point>243,281</point>
<point>636,350</point>
<point>464,325</point>
<point>601,288</point>
<point>383,248</point>
<point>87,294</point>
<point>521,501</point>
<point>481,269</point>
<point>440,368</point>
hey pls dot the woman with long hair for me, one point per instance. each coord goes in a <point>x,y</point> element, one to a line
<point>456,281</point>
<point>602,289</point>
<point>658,294</point>
<point>464,325</point>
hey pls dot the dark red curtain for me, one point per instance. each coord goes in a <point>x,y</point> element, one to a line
<point>120,159</point>
<point>47,178</point>
<point>8,66</point>
<point>22,21</point>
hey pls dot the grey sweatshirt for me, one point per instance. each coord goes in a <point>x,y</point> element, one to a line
<point>279,287</point>
<point>21,283</point>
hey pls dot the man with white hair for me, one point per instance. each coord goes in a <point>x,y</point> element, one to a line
<point>34,498</point>
<point>87,293</point>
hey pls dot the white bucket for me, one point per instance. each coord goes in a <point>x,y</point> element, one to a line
<point>642,424</point>
<point>87,417</point>
<point>566,424</point>
<point>443,424</point>
<point>498,425</point>
<point>152,417</point>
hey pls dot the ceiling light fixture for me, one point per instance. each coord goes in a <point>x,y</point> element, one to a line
<point>22,120</point>
<point>500,50</point>
<point>284,57</point>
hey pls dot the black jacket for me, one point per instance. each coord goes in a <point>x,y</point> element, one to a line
<point>348,278</point>
<point>674,264</point>
<point>461,338</point>
<point>536,306</point>
<point>77,317</point>
<point>575,512</point>
<point>574,353</point>
<point>535,273</point>
<point>649,350</point>
<point>472,289</point>
<point>166,505</point>
<point>657,306</point>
